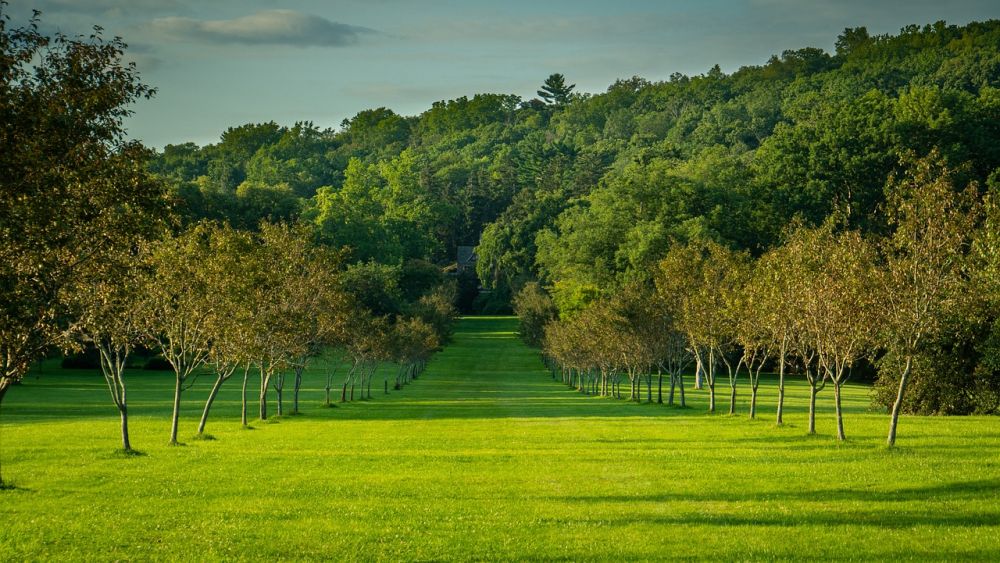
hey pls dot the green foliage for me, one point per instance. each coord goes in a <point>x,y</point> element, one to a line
<point>534,309</point>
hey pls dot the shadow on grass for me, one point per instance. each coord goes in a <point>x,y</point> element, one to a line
<point>937,492</point>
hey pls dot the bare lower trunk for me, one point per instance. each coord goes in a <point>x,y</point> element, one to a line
<point>732,399</point>
<point>840,415</point>
<point>812,408</point>
<point>126,444</point>
<point>243,402</point>
<point>343,394</point>
<point>295,393</point>
<point>177,410</point>
<point>649,387</point>
<point>781,390</point>
<point>659,387</point>
<point>698,372</point>
<point>711,397</point>
<point>680,387</point>
<point>897,406</point>
<point>265,380</point>
<point>208,404</point>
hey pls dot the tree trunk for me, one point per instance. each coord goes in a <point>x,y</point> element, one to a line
<point>840,415</point>
<point>732,399</point>
<point>812,408</point>
<point>265,381</point>
<point>659,386</point>
<point>673,386</point>
<point>126,444</point>
<point>680,386</point>
<point>208,404</point>
<point>781,388</point>
<point>698,371</point>
<point>177,409</point>
<point>649,387</point>
<point>295,393</point>
<point>343,393</point>
<point>897,406</point>
<point>711,397</point>
<point>753,401</point>
<point>243,405</point>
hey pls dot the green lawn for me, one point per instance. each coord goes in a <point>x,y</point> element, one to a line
<point>484,457</point>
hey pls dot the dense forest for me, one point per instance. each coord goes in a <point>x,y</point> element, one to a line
<point>587,193</point>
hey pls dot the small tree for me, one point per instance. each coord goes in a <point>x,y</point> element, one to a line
<point>925,259</point>
<point>109,318</point>
<point>178,306</point>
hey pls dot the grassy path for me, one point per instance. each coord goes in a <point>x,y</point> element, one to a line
<point>484,457</point>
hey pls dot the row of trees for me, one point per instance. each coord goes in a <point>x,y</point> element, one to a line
<point>818,304</point>
<point>228,302</point>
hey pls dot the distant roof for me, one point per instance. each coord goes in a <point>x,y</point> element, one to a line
<point>466,255</point>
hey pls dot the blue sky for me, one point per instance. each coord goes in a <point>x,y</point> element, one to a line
<point>222,63</point>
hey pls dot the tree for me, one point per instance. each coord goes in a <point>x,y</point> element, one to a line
<point>534,309</point>
<point>178,303</point>
<point>233,274</point>
<point>555,91</point>
<point>925,259</point>
<point>108,313</point>
<point>73,189</point>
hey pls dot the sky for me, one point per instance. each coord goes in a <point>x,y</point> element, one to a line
<point>223,63</point>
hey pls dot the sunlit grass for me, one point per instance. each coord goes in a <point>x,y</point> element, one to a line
<point>484,457</point>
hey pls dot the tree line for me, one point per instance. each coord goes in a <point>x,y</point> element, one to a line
<point>824,300</point>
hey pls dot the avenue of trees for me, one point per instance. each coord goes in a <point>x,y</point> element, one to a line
<point>808,215</point>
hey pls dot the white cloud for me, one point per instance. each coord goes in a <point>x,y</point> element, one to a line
<point>267,27</point>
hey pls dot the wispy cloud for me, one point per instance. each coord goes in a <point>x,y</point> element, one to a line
<point>267,27</point>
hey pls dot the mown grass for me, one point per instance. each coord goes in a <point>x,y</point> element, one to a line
<point>484,457</point>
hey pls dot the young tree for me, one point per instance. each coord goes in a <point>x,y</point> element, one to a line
<point>233,277</point>
<point>178,301</point>
<point>74,190</point>
<point>108,317</point>
<point>925,259</point>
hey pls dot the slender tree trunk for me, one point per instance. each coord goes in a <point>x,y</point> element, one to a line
<point>781,386</point>
<point>897,406</point>
<point>732,399</point>
<point>840,414</point>
<point>343,393</point>
<point>298,385</point>
<point>649,387</point>
<point>673,387</point>
<point>177,409</point>
<point>680,386</point>
<point>243,401</point>
<point>699,371</point>
<point>265,381</point>
<point>812,408</point>
<point>208,404</point>
<point>126,444</point>
<point>659,386</point>
<point>753,401</point>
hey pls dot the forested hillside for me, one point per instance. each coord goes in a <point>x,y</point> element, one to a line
<point>580,191</point>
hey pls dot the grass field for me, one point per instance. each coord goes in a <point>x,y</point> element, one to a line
<point>484,457</point>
